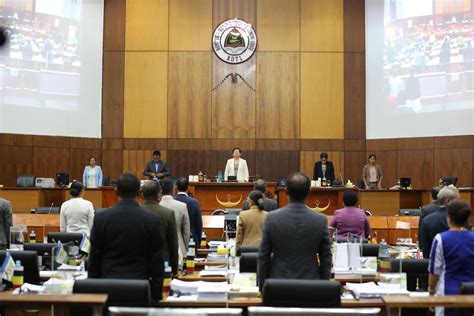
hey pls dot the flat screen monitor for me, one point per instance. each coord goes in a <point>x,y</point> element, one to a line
<point>44,252</point>
<point>62,179</point>
<point>405,182</point>
<point>29,261</point>
<point>450,180</point>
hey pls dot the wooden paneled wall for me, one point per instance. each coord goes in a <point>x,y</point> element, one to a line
<point>306,95</point>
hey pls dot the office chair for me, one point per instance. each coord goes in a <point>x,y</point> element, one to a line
<point>121,292</point>
<point>75,238</point>
<point>466,288</point>
<point>44,251</point>
<point>29,261</point>
<point>246,249</point>
<point>218,212</point>
<point>416,270</point>
<point>47,210</point>
<point>301,293</point>
<point>370,250</point>
<point>248,262</point>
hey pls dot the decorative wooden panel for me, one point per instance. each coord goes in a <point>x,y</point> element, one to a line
<point>354,26</point>
<point>278,95</point>
<point>15,161</point>
<point>274,164</point>
<point>145,143</point>
<point>189,144</point>
<point>48,161</point>
<point>186,162</point>
<point>145,94</point>
<point>354,96</point>
<point>453,142</point>
<point>309,158</point>
<point>415,143</point>
<point>322,95</point>
<point>190,25</point>
<point>417,165</point>
<point>112,163</point>
<point>354,145</point>
<point>228,9</point>
<point>233,104</point>
<point>147,25</point>
<point>228,144</point>
<point>112,94</point>
<point>322,25</point>
<point>189,96</point>
<point>381,144</point>
<point>16,140</point>
<point>135,161</point>
<point>114,25</point>
<point>322,144</point>
<point>277,144</point>
<point>454,163</point>
<point>354,161</point>
<point>278,24</point>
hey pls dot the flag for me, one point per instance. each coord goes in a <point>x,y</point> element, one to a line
<point>85,245</point>
<point>61,254</point>
<point>8,266</point>
<point>402,225</point>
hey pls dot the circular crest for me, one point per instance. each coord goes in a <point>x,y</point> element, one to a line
<point>234,41</point>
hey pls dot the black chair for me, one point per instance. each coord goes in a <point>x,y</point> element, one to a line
<point>466,289</point>
<point>218,212</point>
<point>29,261</point>
<point>45,251</point>
<point>301,293</point>
<point>248,262</point>
<point>131,293</point>
<point>416,270</point>
<point>47,210</point>
<point>370,250</point>
<point>246,249</point>
<point>75,238</point>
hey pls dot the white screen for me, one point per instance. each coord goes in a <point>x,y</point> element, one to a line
<point>420,68</point>
<point>51,69</point>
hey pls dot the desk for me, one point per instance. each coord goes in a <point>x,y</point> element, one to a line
<point>46,304</point>
<point>195,277</point>
<point>389,202</point>
<point>320,197</point>
<point>449,301</point>
<point>42,224</point>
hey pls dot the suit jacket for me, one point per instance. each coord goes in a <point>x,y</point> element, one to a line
<point>5,222</point>
<point>268,204</point>
<point>127,243</point>
<point>431,225</point>
<point>162,168</point>
<point>250,228</point>
<point>294,235</point>
<point>168,229</point>
<point>182,221</point>
<point>195,216</point>
<point>427,210</point>
<point>242,172</point>
<point>318,171</point>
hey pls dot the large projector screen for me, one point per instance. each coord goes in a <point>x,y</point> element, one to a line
<point>51,69</point>
<point>420,68</point>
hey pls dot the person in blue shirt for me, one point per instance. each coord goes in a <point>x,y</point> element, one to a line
<point>452,255</point>
<point>92,176</point>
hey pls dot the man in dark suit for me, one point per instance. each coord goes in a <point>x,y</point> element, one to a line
<point>324,169</point>
<point>430,208</point>
<point>152,196</point>
<point>194,209</point>
<point>268,204</point>
<point>156,168</point>
<point>436,222</point>
<point>126,240</point>
<point>295,235</point>
<point>6,223</point>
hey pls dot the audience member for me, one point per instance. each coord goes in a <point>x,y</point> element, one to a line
<point>350,220</point>
<point>430,208</point>
<point>77,214</point>
<point>5,223</point>
<point>194,209</point>
<point>250,227</point>
<point>269,204</point>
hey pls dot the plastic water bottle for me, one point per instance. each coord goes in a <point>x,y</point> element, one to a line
<point>203,243</point>
<point>32,237</point>
<point>18,273</point>
<point>384,257</point>
<point>166,280</point>
<point>190,257</point>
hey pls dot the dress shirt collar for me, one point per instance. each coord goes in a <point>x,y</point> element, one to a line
<point>167,197</point>
<point>182,193</point>
<point>128,201</point>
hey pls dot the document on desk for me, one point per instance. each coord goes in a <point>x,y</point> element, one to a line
<point>371,290</point>
<point>215,273</point>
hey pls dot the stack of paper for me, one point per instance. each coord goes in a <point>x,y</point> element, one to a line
<point>347,255</point>
<point>372,290</point>
<point>214,257</point>
<point>215,268</point>
<point>212,291</point>
<point>215,244</point>
<point>209,273</point>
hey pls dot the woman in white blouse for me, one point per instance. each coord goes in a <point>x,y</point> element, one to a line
<point>237,167</point>
<point>77,214</point>
<point>92,176</point>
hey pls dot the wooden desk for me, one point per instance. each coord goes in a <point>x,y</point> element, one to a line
<point>389,202</point>
<point>318,197</point>
<point>449,301</point>
<point>42,224</point>
<point>394,233</point>
<point>195,277</point>
<point>45,304</point>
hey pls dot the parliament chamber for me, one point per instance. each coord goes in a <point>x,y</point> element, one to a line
<point>109,83</point>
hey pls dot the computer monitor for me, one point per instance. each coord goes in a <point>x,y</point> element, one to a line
<point>450,180</point>
<point>54,237</point>
<point>29,261</point>
<point>62,179</point>
<point>44,251</point>
<point>231,179</point>
<point>281,183</point>
<point>405,183</point>
<point>233,211</point>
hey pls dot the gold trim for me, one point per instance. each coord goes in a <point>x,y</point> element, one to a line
<point>320,209</point>
<point>229,204</point>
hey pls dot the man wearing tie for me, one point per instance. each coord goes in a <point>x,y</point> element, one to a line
<point>157,168</point>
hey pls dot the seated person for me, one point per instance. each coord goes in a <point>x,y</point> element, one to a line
<point>350,220</point>
<point>250,228</point>
<point>452,255</point>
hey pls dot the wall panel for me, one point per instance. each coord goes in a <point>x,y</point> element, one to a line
<point>220,157</point>
<point>388,161</point>
<point>15,161</point>
<point>354,161</point>
<point>114,25</point>
<point>112,94</point>
<point>417,165</point>
<point>271,165</point>
<point>354,26</point>
<point>48,161</point>
<point>322,95</point>
<point>228,9</point>
<point>354,96</point>
<point>189,97</point>
<point>454,163</point>
<point>112,163</point>
<point>145,95</point>
<point>325,16</point>
<point>278,95</point>
<point>186,162</point>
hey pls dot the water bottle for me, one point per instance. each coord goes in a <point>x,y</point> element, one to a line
<point>166,280</point>
<point>190,257</point>
<point>201,176</point>
<point>324,183</point>
<point>18,273</point>
<point>219,176</point>
<point>203,243</point>
<point>192,245</point>
<point>384,257</point>
<point>32,237</point>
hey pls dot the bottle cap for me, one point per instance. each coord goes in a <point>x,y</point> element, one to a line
<point>18,263</point>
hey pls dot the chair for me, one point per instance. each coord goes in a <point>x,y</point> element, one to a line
<point>44,251</point>
<point>301,293</point>
<point>370,250</point>
<point>134,293</point>
<point>466,289</point>
<point>54,237</point>
<point>246,249</point>
<point>416,270</point>
<point>248,262</point>
<point>47,210</point>
<point>218,212</point>
<point>29,261</point>
<point>286,311</point>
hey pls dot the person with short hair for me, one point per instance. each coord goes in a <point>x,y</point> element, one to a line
<point>250,223</point>
<point>237,167</point>
<point>372,174</point>
<point>269,204</point>
<point>194,209</point>
<point>92,176</point>
<point>350,220</point>
<point>6,223</point>
<point>127,240</point>
<point>294,237</point>
<point>324,168</point>
<point>77,214</point>
<point>157,169</point>
<point>151,191</point>
<point>452,255</point>
<point>430,208</point>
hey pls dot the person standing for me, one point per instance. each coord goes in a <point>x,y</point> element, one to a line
<point>77,214</point>
<point>157,169</point>
<point>250,226</point>
<point>350,220</point>
<point>194,209</point>
<point>324,169</point>
<point>5,223</point>
<point>237,167</point>
<point>92,176</point>
<point>372,174</point>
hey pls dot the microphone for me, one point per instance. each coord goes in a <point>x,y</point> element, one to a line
<point>49,211</point>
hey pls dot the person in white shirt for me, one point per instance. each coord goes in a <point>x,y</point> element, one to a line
<point>77,214</point>
<point>237,167</point>
<point>92,175</point>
